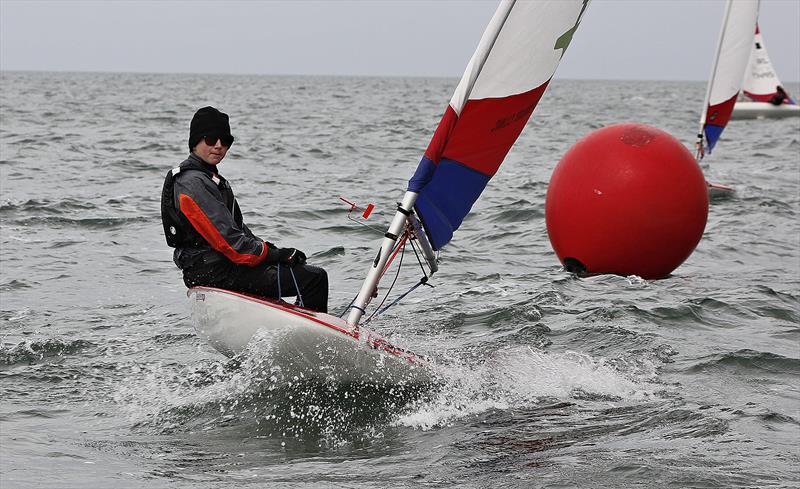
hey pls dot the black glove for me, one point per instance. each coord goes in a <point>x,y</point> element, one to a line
<point>291,256</point>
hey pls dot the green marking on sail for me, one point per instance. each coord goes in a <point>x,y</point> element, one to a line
<point>563,41</point>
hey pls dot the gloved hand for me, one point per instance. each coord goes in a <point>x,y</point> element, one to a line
<point>291,256</point>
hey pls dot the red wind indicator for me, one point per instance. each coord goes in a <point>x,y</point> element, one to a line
<point>353,206</point>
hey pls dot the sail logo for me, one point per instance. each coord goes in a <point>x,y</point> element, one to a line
<point>565,39</point>
<point>768,74</point>
<point>523,114</point>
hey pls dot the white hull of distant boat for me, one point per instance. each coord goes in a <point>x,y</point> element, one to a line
<point>717,191</point>
<point>764,110</point>
<point>300,341</point>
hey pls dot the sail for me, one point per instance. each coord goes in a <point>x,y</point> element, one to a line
<point>503,82</point>
<point>733,52</point>
<point>760,79</point>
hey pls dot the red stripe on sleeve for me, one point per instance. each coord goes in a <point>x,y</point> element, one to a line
<point>210,233</point>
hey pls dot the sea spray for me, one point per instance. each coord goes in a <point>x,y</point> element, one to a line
<point>279,398</point>
<point>520,377</point>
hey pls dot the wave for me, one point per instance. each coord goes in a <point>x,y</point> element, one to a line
<point>749,360</point>
<point>519,211</point>
<point>86,222</point>
<point>54,207</point>
<point>33,351</point>
<point>16,285</point>
<point>693,312</point>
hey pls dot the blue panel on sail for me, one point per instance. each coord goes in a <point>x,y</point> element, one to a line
<point>712,135</point>
<point>447,198</point>
<point>423,175</point>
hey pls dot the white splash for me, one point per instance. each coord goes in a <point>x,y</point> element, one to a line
<point>521,377</point>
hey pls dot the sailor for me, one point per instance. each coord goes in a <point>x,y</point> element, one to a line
<point>213,246</point>
<point>779,97</point>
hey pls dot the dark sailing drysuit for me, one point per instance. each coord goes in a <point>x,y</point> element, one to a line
<point>214,247</point>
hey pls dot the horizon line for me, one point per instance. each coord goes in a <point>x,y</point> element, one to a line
<point>331,75</point>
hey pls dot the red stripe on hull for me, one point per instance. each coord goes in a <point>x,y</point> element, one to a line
<point>372,340</point>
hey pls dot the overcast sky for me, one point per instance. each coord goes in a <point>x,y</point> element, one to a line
<point>618,39</point>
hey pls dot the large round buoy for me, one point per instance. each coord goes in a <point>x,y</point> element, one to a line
<point>627,199</point>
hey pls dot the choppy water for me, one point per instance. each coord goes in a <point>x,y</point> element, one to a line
<point>547,380</point>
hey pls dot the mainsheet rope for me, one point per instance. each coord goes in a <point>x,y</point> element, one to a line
<point>296,287</point>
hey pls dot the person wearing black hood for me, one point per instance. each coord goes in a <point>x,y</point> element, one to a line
<point>779,97</point>
<point>213,246</point>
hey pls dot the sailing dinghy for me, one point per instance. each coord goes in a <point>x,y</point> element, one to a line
<point>733,51</point>
<point>301,341</point>
<point>759,87</point>
<point>504,80</point>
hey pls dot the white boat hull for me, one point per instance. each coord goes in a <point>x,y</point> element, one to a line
<point>718,191</point>
<point>300,341</point>
<point>763,110</point>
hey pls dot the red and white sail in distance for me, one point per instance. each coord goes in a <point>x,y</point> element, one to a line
<point>733,52</point>
<point>760,80</point>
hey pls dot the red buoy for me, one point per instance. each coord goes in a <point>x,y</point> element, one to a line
<point>627,199</point>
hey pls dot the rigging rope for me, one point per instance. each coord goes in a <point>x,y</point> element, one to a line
<point>423,281</point>
<point>399,266</point>
<point>296,287</point>
<point>407,237</point>
<point>394,251</point>
<point>279,281</point>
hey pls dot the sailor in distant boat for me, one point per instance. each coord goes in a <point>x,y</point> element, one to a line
<point>779,97</point>
<point>213,246</point>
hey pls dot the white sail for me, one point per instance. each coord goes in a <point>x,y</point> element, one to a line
<point>760,79</point>
<point>733,51</point>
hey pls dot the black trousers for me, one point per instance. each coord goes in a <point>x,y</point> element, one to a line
<point>263,280</point>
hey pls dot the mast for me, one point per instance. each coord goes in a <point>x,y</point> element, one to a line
<point>373,277</point>
<point>704,114</point>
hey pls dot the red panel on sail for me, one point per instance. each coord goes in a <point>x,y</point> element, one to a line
<point>487,128</point>
<point>439,139</point>
<point>720,114</point>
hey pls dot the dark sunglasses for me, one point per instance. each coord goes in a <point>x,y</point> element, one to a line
<point>226,141</point>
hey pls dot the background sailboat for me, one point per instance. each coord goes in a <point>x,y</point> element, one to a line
<point>733,51</point>
<point>760,87</point>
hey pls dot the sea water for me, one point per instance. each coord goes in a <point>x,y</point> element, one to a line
<point>544,379</point>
